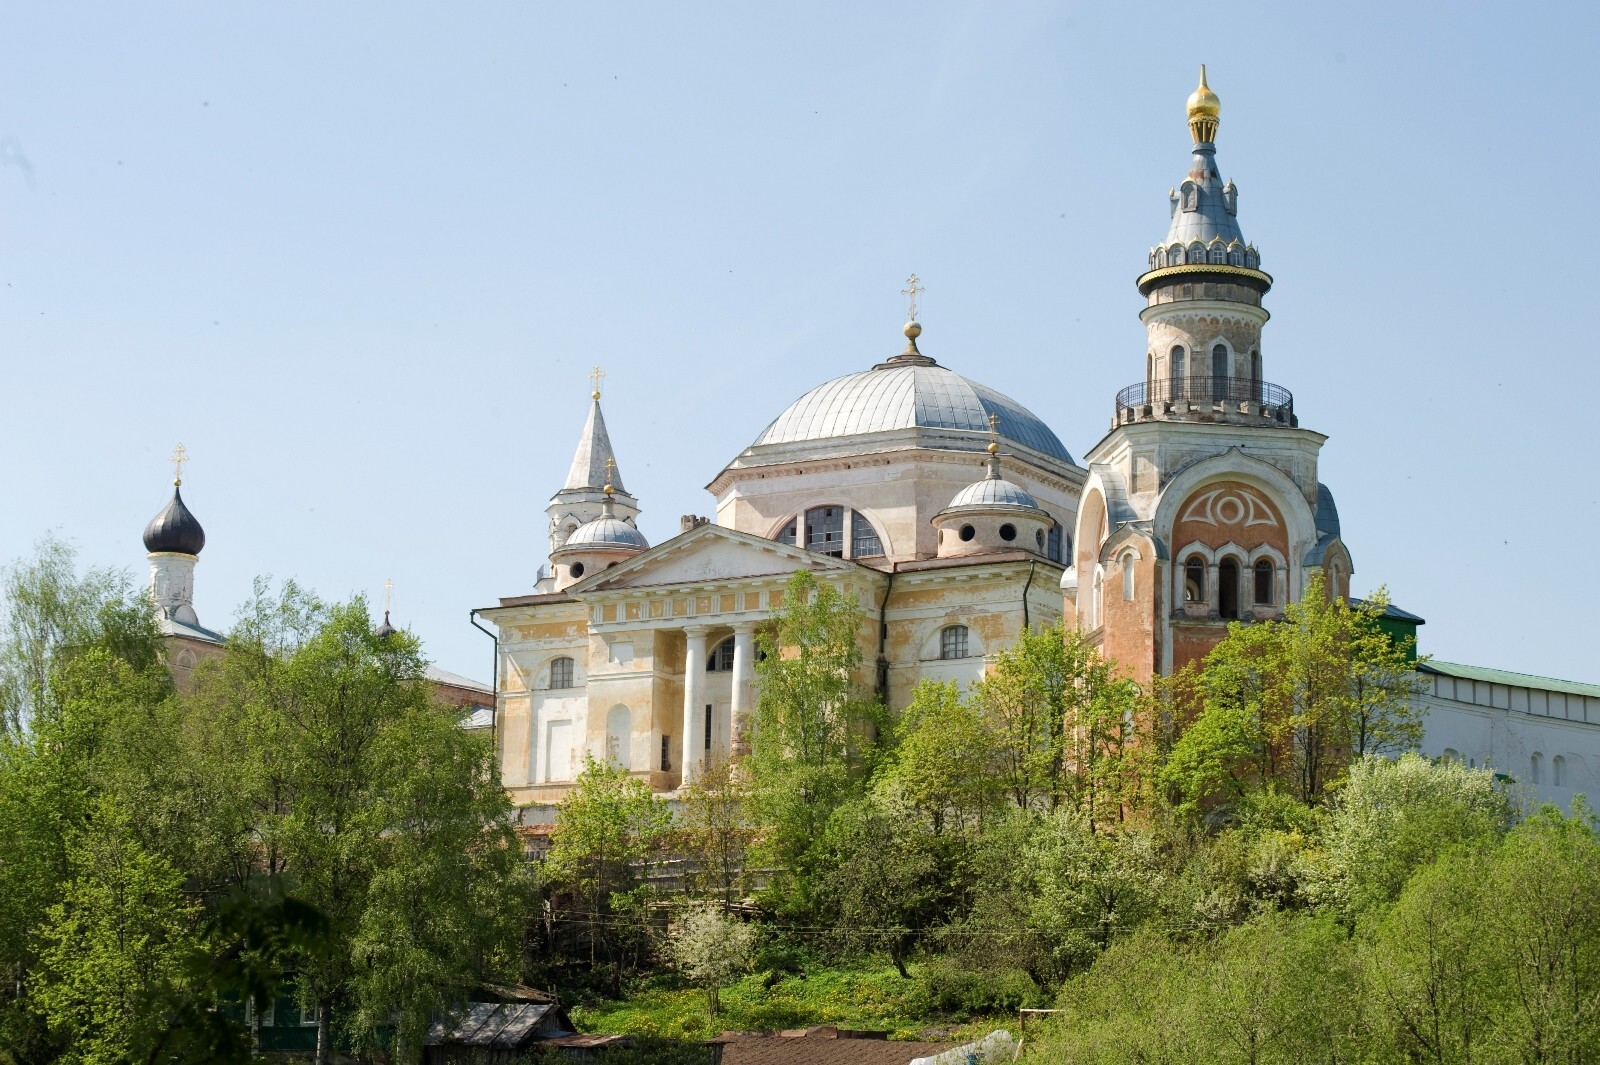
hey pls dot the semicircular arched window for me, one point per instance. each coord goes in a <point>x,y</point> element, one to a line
<point>561,673</point>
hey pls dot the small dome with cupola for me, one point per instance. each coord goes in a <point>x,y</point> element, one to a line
<point>599,544</point>
<point>993,514</point>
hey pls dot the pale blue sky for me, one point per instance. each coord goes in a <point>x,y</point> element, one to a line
<point>360,257</point>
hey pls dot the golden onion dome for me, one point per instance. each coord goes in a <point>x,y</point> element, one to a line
<point>1204,111</point>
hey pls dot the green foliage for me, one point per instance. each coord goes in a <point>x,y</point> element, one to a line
<point>1393,817</point>
<point>148,837</point>
<point>607,832</point>
<point>115,944</point>
<point>384,815</point>
<point>715,832</point>
<point>864,996</point>
<point>1063,717</point>
<point>1291,702</point>
<point>942,745</point>
<point>711,949</point>
<point>884,879</point>
<point>816,732</point>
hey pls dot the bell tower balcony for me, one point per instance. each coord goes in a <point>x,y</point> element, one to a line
<point>1229,400</point>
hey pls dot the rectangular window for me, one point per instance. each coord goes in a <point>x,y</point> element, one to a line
<point>666,753</point>
<point>825,531</point>
<point>864,542</point>
<point>708,726</point>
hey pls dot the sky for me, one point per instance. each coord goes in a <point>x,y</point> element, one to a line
<point>360,257</point>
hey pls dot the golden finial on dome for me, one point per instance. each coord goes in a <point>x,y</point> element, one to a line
<point>595,375</point>
<point>1204,111</point>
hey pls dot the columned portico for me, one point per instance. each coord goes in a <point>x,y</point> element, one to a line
<point>743,673</point>
<point>694,688</point>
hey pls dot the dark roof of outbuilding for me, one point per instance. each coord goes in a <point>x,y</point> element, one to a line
<point>175,529</point>
<point>501,1025</point>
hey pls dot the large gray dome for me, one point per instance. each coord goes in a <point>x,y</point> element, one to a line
<point>906,397</point>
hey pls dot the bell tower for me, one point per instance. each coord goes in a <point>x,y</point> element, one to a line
<point>1202,505</point>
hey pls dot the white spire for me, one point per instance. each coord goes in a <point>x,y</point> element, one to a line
<point>594,451</point>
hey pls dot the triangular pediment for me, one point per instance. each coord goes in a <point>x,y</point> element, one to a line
<point>711,553</point>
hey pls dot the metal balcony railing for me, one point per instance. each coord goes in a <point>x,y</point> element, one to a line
<point>1235,392</point>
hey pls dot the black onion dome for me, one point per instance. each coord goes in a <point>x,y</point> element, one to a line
<point>174,529</point>
<point>385,630</point>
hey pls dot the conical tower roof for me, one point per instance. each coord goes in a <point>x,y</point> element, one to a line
<point>594,451</point>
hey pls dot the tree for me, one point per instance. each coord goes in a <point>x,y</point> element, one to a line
<point>48,609</point>
<point>816,732</point>
<point>711,949</point>
<point>882,880</point>
<point>1064,718</point>
<point>1393,817</point>
<point>943,761</point>
<point>380,812</point>
<point>1292,702</point>
<point>115,945</point>
<point>607,831</point>
<point>715,829</point>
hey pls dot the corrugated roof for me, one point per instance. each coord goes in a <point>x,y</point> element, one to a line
<point>506,1025</point>
<point>455,680</point>
<point>1505,676</point>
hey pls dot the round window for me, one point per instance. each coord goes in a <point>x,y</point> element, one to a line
<point>577,570</point>
<point>1038,538</point>
<point>1008,532</point>
<point>968,532</point>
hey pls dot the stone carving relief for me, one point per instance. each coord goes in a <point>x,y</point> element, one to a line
<point>1229,506</point>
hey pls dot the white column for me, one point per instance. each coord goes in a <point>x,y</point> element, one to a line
<point>694,692</point>
<point>744,657</point>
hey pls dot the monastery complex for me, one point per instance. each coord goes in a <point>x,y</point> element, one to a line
<point>954,517</point>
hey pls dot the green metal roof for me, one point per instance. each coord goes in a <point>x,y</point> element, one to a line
<point>1504,676</point>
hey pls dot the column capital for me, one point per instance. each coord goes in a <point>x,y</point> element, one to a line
<point>744,628</point>
<point>696,632</point>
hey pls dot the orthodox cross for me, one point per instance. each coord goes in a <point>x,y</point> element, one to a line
<point>388,596</point>
<point>912,289</point>
<point>595,375</point>
<point>611,464</point>
<point>179,457</point>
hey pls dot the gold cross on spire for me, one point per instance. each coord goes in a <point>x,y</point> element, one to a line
<point>595,375</point>
<point>611,464</point>
<point>179,457</point>
<point>388,596</point>
<point>994,433</point>
<point>911,291</point>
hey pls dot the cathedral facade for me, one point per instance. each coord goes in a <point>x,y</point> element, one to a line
<point>954,517</point>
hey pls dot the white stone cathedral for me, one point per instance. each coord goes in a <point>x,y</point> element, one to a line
<point>955,517</point>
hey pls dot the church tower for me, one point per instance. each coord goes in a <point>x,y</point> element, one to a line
<point>584,496</point>
<point>1202,504</point>
<point>173,541</point>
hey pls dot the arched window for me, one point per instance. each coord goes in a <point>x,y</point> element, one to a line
<point>1536,768</point>
<point>1194,580</point>
<point>1228,588</point>
<point>561,673</point>
<point>1197,252</point>
<point>720,660</point>
<point>619,736</point>
<point>864,541</point>
<point>1178,368</point>
<point>1175,255</point>
<point>1219,369</point>
<point>1264,581</point>
<point>953,641</point>
<point>1053,544</point>
<point>1096,599</point>
<point>786,534</point>
<point>1255,374</point>
<point>1558,771</point>
<point>1219,254</point>
<point>825,531</point>
<point>1451,755</point>
<point>1127,577</point>
<point>1149,371</point>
